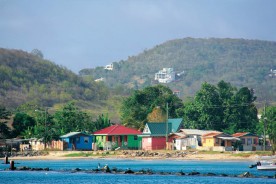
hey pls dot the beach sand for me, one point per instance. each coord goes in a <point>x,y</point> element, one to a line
<point>60,155</point>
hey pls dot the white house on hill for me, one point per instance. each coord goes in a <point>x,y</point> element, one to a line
<point>166,75</point>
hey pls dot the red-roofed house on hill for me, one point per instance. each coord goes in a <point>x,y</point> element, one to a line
<point>248,141</point>
<point>116,136</point>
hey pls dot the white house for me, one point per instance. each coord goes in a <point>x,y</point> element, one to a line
<point>189,138</point>
<point>109,67</point>
<point>166,75</point>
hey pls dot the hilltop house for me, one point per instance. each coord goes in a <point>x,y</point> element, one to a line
<point>78,141</point>
<point>166,75</point>
<point>155,134</point>
<point>117,136</point>
<point>109,67</point>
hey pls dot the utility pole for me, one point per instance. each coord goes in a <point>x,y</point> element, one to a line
<point>264,126</point>
<point>45,126</point>
<point>167,124</point>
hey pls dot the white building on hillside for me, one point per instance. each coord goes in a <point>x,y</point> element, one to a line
<point>109,67</point>
<point>166,75</point>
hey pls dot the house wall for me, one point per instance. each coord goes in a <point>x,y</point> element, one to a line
<point>147,143</point>
<point>158,143</point>
<point>122,141</point>
<point>153,143</point>
<point>79,142</point>
<point>134,142</point>
<point>85,143</point>
<point>100,140</point>
<point>208,141</point>
<point>249,140</point>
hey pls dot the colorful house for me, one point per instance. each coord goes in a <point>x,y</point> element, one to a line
<point>189,138</point>
<point>78,141</point>
<point>117,136</point>
<point>218,141</point>
<point>155,134</point>
<point>248,141</point>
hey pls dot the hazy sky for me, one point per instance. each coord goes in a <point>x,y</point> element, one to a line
<point>81,34</point>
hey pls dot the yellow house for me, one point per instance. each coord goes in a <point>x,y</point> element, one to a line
<point>218,141</point>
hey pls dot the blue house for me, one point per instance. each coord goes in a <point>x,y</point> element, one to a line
<point>78,141</point>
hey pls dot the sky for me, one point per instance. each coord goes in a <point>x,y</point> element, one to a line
<point>80,34</point>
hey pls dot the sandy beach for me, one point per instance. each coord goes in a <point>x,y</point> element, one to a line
<point>60,155</point>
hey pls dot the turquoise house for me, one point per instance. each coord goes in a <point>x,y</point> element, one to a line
<point>78,141</point>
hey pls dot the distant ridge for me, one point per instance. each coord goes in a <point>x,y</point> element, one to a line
<point>25,77</point>
<point>238,61</point>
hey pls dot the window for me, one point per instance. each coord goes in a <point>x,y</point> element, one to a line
<point>135,137</point>
<point>109,138</point>
<point>255,141</point>
<point>249,141</point>
<point>77,140</point>
<point>217,140</point>
<point>243,141</point>
<point>86,139</point>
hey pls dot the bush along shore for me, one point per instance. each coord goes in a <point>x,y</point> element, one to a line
<point>114,170</point>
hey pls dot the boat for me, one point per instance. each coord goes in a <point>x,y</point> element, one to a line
<point>266,166</point>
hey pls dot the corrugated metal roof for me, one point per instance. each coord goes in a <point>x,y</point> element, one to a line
<point>241,134</point>
<point>159,129</point>
<point>117,130</point>
<point>212,134</point>
<point>176,124</point>
<point>195,131</point>
<point>73,134</point>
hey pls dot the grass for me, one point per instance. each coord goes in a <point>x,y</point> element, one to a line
<point>89,154</point>
<point>81,154</point>
<point>248,154</point>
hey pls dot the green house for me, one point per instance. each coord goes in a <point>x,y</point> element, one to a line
<point>117,136</point>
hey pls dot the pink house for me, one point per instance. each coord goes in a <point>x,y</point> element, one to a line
<point>154,134</point>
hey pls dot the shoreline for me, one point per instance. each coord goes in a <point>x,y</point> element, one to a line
<point>65,155</point>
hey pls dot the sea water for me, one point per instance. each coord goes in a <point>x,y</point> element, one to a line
<point>57,174</point>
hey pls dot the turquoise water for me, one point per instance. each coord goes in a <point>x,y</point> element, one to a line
<point>56,176</point>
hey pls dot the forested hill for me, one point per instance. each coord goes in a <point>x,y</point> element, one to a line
<point>26,77</point>
<point>238,61</point>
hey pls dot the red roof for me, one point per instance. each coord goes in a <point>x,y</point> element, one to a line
<point>240,134</point>
<point>212,134</point>
<point>117,130</point>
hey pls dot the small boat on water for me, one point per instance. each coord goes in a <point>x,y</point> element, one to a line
<point>265,163</point>
<point>266,166</point>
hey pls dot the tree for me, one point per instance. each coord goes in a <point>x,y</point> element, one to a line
<point>135,109</point>
<point>157,115</point>
<point>4,129</point>
<point>71,118</point>
<point>101,122</point>
<point>209,104</point>
<point>22,122</point>
<point>222,108</point>
<point>269,121</point>
<point>242,112</point>
<point>37,53</point>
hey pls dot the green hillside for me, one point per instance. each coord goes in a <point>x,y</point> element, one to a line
<point>238,61</point>
<point>25,77</point>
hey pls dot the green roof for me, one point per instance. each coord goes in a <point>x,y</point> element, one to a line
<point>176,123</point>
<point>159,129</point>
